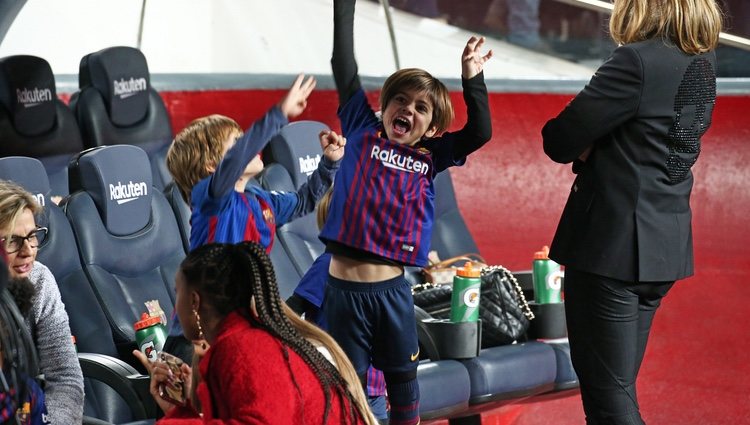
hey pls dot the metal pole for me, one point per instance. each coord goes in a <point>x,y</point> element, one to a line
<point>140,25</point>
<point>391,32</point>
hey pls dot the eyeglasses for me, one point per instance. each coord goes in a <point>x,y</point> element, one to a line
<point>14,243</point>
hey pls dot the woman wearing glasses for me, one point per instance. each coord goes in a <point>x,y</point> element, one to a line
<point>48,322</point>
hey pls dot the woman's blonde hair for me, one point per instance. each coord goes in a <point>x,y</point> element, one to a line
<point>321,210</point>
<point>692,25</point>
<point>198,147</point>
<point>13,201</point>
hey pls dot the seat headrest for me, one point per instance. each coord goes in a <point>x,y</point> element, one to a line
<point>118,179</point>
<point>29,173</point>
<point>297,148</point>
<point>275,177</point>
<point>121,75</point>
<point>27,91</point>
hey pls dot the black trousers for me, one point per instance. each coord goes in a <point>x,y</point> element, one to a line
<point>609,321</point>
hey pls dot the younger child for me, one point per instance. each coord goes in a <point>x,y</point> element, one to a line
<point>211,161</point>
<point>383,201</point>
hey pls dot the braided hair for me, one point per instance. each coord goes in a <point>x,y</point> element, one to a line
<point>237,277</point>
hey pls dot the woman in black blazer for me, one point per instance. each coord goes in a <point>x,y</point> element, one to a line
<point>632,134</point>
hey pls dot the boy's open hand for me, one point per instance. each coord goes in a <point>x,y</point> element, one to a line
<point>472,61</point>
<point>295,100</point>
<point>332,144</point>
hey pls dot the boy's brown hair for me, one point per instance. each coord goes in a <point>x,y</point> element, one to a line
<point>421,81</point>
<point>198,148</point>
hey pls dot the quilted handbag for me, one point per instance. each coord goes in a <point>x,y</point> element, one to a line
<point>442,272</point>
<point>503,308</point>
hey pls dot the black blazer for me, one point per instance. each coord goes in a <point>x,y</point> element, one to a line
<point>642,114</point>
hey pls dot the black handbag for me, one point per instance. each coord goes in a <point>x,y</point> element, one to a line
<point>503,308</point>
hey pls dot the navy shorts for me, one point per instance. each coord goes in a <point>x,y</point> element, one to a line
<point>373,322</point>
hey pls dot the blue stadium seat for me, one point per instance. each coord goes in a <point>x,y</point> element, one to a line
<point>450,235</point>
<point>111,394</point>
<point>297,149</point>
<point>33,121</point>
<point>511,371</point>
<point>181,211</point>
<point>298,237</point>
<point>444,388</point>
<point>116,104</point>
<point>126,233</point>
<point>291,156</point>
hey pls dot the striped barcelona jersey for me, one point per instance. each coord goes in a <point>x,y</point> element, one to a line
<point>238,217</point>
<point>383,196</point>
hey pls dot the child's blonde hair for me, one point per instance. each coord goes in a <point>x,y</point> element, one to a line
<point>421,81</point>
<point>197,148</point>
<point>692,25</point>
<point>321,210</point>
<point>14,199</point>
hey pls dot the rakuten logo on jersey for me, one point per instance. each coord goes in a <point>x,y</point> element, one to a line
<point>392,159</point>
<point>307,165</point>
<point>123,193</point>
<point>126,88</point>
<point>33,97</point>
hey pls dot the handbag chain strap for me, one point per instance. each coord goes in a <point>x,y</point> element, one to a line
<point>524,304</point>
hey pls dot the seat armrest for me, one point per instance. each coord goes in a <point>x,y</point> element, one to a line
<point>129,384</point>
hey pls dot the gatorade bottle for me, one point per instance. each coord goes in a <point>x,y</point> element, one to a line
<point>150,335</point>
<point>465,297</point>
<point>547,278</point>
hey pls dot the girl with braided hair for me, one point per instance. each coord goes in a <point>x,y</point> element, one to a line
<point>265,364</point>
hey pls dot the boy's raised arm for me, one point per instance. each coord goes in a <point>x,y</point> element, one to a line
<point>343,63</point>
<point>258,135</point>
<point>472,61</point>
<point>478,128</point>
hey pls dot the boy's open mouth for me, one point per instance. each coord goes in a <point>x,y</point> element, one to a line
<point>401,126</point>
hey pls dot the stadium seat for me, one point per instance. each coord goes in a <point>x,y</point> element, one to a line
<point>127,236</point>
<point>181,211</point>
<point>444,388</point>
<point>112,396</point>
<point>116,104</point>
<point>33,121</point>
<point>297,149</point>
<point>450,235</point>
<point>299,237</point>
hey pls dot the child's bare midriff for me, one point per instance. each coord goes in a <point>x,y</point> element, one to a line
<point>361,271</point>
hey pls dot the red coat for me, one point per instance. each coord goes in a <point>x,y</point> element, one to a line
<point>246,380</point>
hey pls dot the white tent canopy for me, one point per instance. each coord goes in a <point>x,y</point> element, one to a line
<point>254,36</point>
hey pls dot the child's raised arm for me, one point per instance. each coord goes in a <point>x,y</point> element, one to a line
<point>343,63</point>
<point>332,144</point>
<point>295,100</point>
<point>472,61</point>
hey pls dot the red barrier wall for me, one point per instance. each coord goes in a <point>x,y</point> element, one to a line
<point>511,194</point>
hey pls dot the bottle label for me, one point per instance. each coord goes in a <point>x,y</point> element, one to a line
<point>471,297</point>
<point>149,348</point>
<point>554,280</point>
